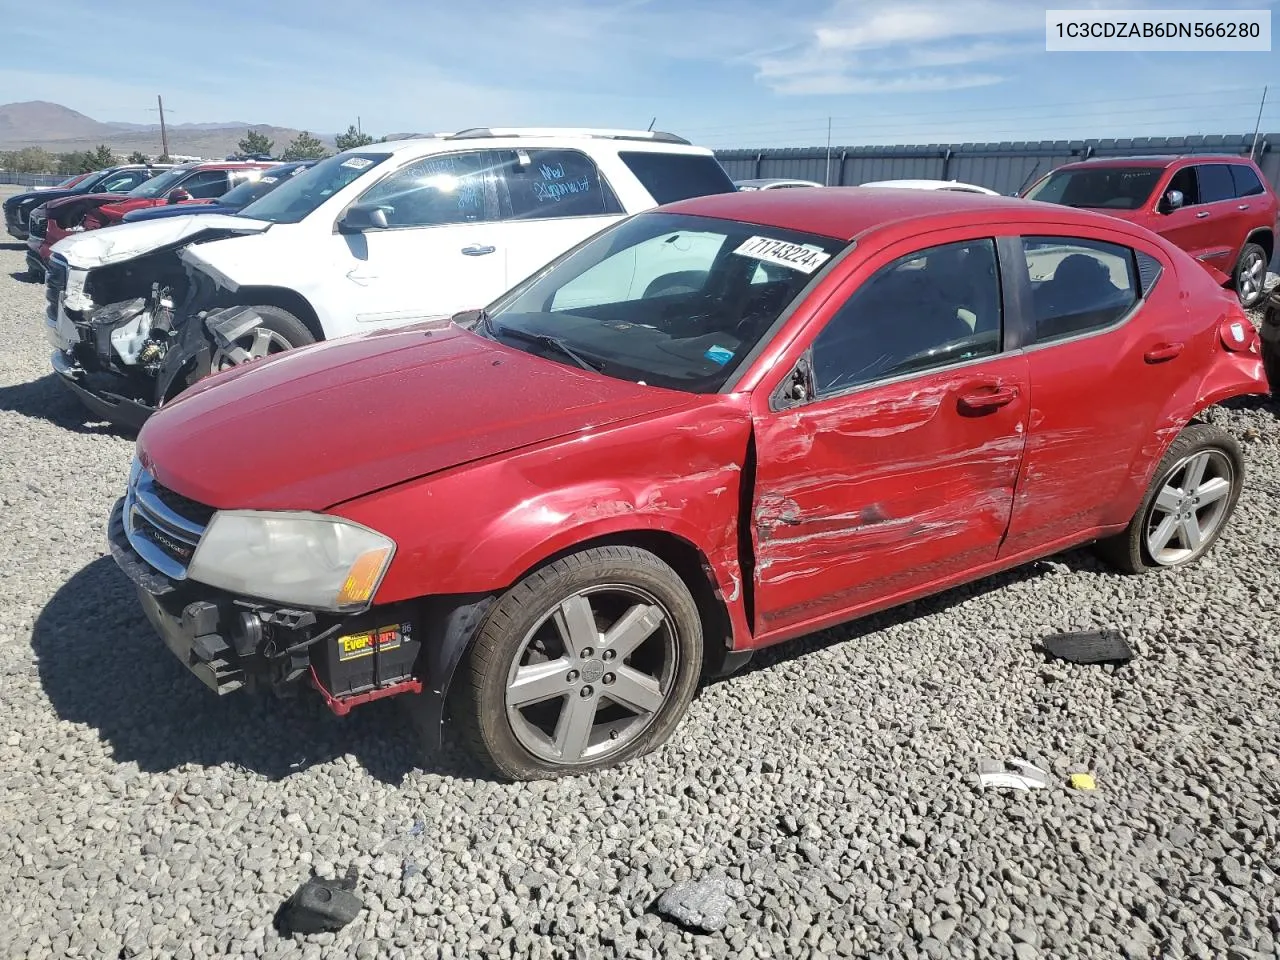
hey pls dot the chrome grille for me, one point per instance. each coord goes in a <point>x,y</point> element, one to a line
<point>162,526</point>
<point>37,224</point>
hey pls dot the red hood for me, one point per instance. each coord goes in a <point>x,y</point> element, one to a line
<point>118,208</point>
<point>311,428</point>
<point>87,200</point>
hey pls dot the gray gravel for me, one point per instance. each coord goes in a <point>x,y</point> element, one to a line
<point>832,783</point>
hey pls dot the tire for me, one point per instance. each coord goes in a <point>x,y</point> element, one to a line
<point>283,331</point>
<point>1249,278</point>
<point>523,742</point>
<point>1132,552</point>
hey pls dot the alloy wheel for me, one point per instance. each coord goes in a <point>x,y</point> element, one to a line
<point>1253,274</point>
<point>592,674</point>
<point>255,345</point>
<point>1190,507</point>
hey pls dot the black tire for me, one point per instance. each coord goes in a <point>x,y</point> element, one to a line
<point>1128,551</point>
<point>286,330</point>
<point>478,696</point>
<point>1250,255</point>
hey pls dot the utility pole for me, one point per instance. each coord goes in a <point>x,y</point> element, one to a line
<point>1257,125</point>
<point>164,132</point>
<point>359,129</point>
<point>827,179</point>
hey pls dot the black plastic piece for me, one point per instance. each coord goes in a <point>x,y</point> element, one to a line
<point>320,906</point>
<point>1088,646</point>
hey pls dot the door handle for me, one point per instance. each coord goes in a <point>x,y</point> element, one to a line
<point>1162,352</point>
<point>988,397</point>
<point>1243,206</point>
<point>477,250</point>
<point>1202,214</point>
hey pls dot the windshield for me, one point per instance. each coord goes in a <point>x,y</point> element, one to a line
<point>1103,188</point>
<point>252,190</point>
<point>664,299</point>
<point>72,181</point>
<point>159,184</point>
<point>300,195</point>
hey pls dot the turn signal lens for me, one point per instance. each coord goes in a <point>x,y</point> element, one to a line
<point>363,578</point>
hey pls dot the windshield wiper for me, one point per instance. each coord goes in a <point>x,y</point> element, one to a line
<point>542,340</point>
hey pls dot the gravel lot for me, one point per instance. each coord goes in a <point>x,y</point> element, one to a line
<point>142,817</point>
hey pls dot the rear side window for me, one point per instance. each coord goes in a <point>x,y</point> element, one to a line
<point>556,183</point>
<point>206,184</point>
<point>1246,181</point>
<point>1215,182</point>
<point>1078,286</point>
<point>677,176</point>
<point>123,182</point>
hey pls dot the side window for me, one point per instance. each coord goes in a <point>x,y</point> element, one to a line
<point>1215,182</point>
<point>1185,180</point>
<point>556,183</point>
<point>118,183</point>
<point>206,184</point>
<point>1246,181</point>
<point>435,190</point>
<point>1078,286</point>
<point>929,309</point>
<point>243,176</point>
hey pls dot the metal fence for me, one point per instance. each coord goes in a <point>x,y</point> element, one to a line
<point>32,179</point>
<point>1003,167</point>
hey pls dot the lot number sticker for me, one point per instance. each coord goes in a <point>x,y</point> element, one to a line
<point>797,256</point>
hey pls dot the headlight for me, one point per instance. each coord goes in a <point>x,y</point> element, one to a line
<point>306,559</point>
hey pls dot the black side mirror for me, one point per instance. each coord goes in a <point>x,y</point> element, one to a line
<point>178,195</point>
<point>362,217</point>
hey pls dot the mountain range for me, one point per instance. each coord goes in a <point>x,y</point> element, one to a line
<point>59,129</point>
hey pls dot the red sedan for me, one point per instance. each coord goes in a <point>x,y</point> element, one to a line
<point>712,427</point>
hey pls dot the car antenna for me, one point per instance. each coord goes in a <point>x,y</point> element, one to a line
<point>651,123</point>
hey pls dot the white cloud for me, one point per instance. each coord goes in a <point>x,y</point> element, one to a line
<point>863,46</point>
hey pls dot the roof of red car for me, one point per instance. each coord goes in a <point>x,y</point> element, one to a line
<point>1154,160</point>
<point>847,212</point>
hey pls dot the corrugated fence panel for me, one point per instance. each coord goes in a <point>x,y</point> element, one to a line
<point>1004,167</point>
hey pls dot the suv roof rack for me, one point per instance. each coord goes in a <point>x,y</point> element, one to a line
<point>655,136</point>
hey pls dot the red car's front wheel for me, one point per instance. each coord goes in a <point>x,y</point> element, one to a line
<point>585,663</point>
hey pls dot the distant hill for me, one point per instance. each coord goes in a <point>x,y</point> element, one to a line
<point>59,129</point>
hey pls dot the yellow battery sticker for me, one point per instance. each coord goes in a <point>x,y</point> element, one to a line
<point>356,645</point>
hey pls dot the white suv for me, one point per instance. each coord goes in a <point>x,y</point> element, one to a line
<point>387,234</point>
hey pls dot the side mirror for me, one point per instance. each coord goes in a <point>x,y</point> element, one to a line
<point>1173,200</point>
<point>178,195</point>
<point>364,216</point>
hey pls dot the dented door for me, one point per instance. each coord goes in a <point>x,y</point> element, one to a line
<point>876,494</point>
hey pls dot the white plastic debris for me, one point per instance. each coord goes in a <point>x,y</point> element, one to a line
<point>1016,774</point>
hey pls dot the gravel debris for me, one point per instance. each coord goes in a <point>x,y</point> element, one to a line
<point>832,779</point>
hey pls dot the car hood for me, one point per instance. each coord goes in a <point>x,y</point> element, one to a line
<point>311,428</point>
<point>124,241</point>
<point>177,210</point>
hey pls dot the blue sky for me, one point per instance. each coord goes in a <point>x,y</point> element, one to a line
<point>742,73</point>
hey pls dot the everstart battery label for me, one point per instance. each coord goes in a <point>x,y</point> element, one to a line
<point>357,645</point>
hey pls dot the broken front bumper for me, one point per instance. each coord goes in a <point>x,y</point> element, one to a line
<point>231,642</point>
<point>35,266</point>
<point>113,407</point>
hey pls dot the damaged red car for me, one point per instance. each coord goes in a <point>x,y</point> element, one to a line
<point>711,427</point>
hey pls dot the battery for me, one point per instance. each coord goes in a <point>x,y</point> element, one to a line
<point>366,660</point>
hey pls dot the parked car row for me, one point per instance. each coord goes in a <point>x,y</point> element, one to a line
<point>589,422</point>
<point>18,208</point>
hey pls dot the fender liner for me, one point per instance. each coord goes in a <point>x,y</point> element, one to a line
<point>451,624</point>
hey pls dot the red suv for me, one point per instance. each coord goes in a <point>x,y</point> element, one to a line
<point>709,428</point>
<point>192,181</point>
<point>1220,209</point>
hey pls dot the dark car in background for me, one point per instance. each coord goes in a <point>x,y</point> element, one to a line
<point>229,203</point>
<point>121,179</point>
<point>1220,209</point>
<point>177,185</point>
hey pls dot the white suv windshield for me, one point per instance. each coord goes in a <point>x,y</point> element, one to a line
<point>292,201</point>
<point>665,299</point>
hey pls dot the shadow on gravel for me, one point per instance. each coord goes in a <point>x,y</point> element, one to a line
<point>102,665</point>
<point>22,276</point>
<point>1075,560</point>
<point>12,245</point>
<point>47,399</point>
